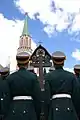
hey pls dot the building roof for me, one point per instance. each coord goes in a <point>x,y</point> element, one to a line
<point>25,28</point>
<point>40,47</point>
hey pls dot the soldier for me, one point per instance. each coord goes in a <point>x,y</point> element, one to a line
<point>77,70</point>
<point>0,96</point>
<point>4,93</point>
<point>77,75</point>
<point>63,87</point>
<point>25,92</point>
<point>4,72</point>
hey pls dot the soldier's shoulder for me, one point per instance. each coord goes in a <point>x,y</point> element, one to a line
<point>69,73</point>
<point>48,75</point>
<point>32,75</point>
<point>12,75</point>
<point>0,78</point>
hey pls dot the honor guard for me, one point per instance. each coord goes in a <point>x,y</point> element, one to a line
<point>63,88</point>
<point>0,97</point>
<point>77,70</point>
<point>5,92</point>
<point>77,75</point>
<point>4,72</point>
<point>25,92</point>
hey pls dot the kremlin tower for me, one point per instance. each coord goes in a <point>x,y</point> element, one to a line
<point>25,39</point>
<point>26,43</point>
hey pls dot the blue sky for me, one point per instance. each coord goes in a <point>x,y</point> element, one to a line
<point>56,25</point>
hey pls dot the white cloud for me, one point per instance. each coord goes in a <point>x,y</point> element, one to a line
<point>9,37</point>
<point>64,14</point>
<point>76,54</point>
<point>76,23</point>
<point>49,29</point>
<point>10,32</point>
<point>69,5</point>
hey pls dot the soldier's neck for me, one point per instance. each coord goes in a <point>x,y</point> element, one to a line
<point>58,67</point>
<point>22,67</point>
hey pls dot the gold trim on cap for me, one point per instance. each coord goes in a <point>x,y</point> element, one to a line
<point>57,62</point>
<point>22,61</point>
<point>58,58</point>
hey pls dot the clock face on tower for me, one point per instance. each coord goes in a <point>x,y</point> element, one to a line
<point>40,52</point>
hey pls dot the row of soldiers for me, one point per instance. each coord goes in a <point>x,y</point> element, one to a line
<point>21,96</point>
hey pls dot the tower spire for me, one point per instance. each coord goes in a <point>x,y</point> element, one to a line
<point>25,28</point>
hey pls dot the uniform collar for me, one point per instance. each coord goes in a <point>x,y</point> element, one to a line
<point>58,67</point>
<point>22,68</point>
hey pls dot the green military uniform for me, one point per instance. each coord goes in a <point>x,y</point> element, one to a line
<point>25,92</point>
<point>64,90</point>
<point>77,75</point>
<point>0,96</point>
<point>4,98</point>
<point>46,98</point>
